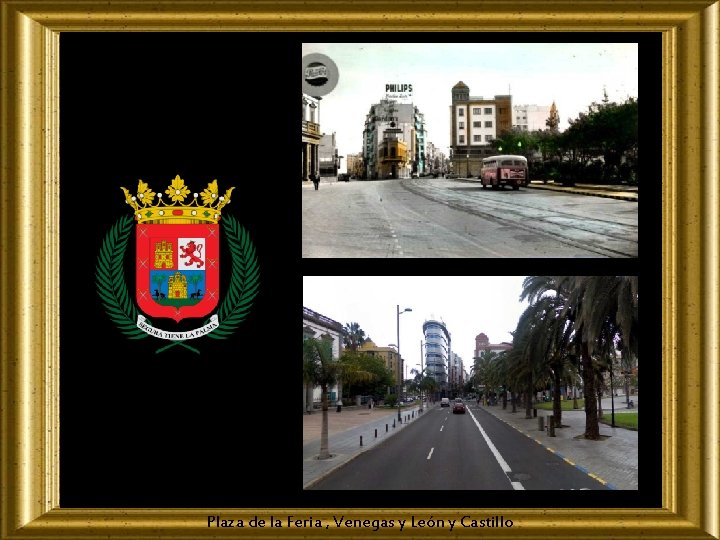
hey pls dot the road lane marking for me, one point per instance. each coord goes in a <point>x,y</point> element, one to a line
<point>431,451</point>
<point>441,428</point>
<point>501,461</point>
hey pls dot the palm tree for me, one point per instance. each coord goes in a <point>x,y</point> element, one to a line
<point>320,369</point>
<point>604,310</point>
<point>354,336</point>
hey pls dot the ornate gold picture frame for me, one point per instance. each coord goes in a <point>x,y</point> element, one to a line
<point>29,286</point>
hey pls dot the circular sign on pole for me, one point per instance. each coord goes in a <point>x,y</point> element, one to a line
<point>319,75</point>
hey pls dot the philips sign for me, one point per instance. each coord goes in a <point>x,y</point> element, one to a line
<point>398,91</point>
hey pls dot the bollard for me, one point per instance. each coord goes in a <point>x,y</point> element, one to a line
<point>360,440</point>
<point>393,423</point>
<point>551,426</point>
<point>541,423</point>
<point>534,413</point>
<point>376,433</point>
<point>386,428</point>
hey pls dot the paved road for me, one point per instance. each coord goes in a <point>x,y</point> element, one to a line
<point>472,451</point>
<point>457,218</point>
<point>613,460</point>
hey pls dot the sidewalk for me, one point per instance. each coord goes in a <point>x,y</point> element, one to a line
<point>613,460</point>
<point>344,432</point>
<point>621,192</point>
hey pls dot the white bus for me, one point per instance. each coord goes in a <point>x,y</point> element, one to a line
<point>504,169</point>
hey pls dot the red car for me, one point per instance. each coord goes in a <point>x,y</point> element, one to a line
<point>458,406</point>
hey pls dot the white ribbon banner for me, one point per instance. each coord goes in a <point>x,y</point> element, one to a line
<point>177,336</point>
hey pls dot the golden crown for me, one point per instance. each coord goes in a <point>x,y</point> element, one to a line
<point>147,210</point>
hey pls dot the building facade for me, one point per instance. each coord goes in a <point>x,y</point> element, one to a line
<point>474,123</point>
<point>531,117</point>
<point>437,352</point>
<point>328,155</point>
<point>311,136</point>
<point>388,355</point>
<point>321,327</point>
<point>391,124</point>
<point>456,375</point>
<point>482,343</point>
<point>354,163</point>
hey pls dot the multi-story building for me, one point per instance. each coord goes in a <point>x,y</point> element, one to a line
<point>389,355</point>
<point>437,352</point>
<point>310,136</point>
<point>531,117</point>
<point>355,166</point>
<point>456,374</point>
<point>328,155</point>
<point>474,123</point>
<point>434,159</point>
<point>482,343</point>
<point>388,124</point>
<point>321,327</point>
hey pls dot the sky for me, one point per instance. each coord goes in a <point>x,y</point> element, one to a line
<point>467,306</point>
<point>573,75</point>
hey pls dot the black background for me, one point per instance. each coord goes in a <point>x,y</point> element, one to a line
<point>223,428</point>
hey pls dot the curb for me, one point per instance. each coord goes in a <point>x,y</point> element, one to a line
<point>581,191</point>
<point>558,454</point>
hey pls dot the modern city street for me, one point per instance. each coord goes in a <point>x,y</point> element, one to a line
<point>455,218</point>
<point>487,448</point>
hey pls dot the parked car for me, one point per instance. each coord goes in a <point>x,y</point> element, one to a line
<point>445,402</point>
<point>343,177</point>
<point>458,406</point>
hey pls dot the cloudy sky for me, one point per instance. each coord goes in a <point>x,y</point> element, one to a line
<point>571,74</point>
<point>467,306</point>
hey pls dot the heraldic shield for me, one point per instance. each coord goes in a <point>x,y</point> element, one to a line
<point>177,265</point>
<point>177,269</point>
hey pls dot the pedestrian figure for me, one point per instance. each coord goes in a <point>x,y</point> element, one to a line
<point>316,180</point>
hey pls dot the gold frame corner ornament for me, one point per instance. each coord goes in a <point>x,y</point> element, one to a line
<point>29,223</point>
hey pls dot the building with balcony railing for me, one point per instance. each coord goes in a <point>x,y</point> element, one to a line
<point>398,121</point>
<point>321,327</point>
<point>311,136</point>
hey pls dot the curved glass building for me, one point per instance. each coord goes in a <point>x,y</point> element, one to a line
<point>437,352</point>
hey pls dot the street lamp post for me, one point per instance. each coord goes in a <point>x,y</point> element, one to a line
<point>422,375</point>
<point>400,369</point>
<point>467,165</point>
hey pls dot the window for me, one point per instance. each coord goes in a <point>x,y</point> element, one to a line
<point>477,124</point>
<point>461,112</point>
<point>488,138</point>
<point>392,152</point>
<point>462,139</point>
<point>488,110</point>
<point>461,125</point>
<point>488,123</point>
<point>476,110</point>
<point>477,138</point>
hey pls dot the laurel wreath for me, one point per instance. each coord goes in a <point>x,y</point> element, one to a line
<point>113,292</point>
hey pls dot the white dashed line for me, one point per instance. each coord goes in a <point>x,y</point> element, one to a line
<point>431,451</point>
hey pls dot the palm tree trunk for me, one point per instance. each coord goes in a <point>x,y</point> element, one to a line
<point>513,398</point>
<point>557,407</point>
<point>592,428</point>
<point>324,450</point>
<point>528,402</point>
<point>504,399</point>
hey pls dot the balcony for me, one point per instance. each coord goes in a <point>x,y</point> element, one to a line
<point>310,128</point>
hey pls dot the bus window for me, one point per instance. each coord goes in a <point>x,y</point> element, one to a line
<point>507,162</point>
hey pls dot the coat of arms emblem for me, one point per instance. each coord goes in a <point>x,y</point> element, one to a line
<point>177,265</point>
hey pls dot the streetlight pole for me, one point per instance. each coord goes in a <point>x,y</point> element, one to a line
<point>422,375</point>
<point>400,369</point>
<point>467,165</point>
